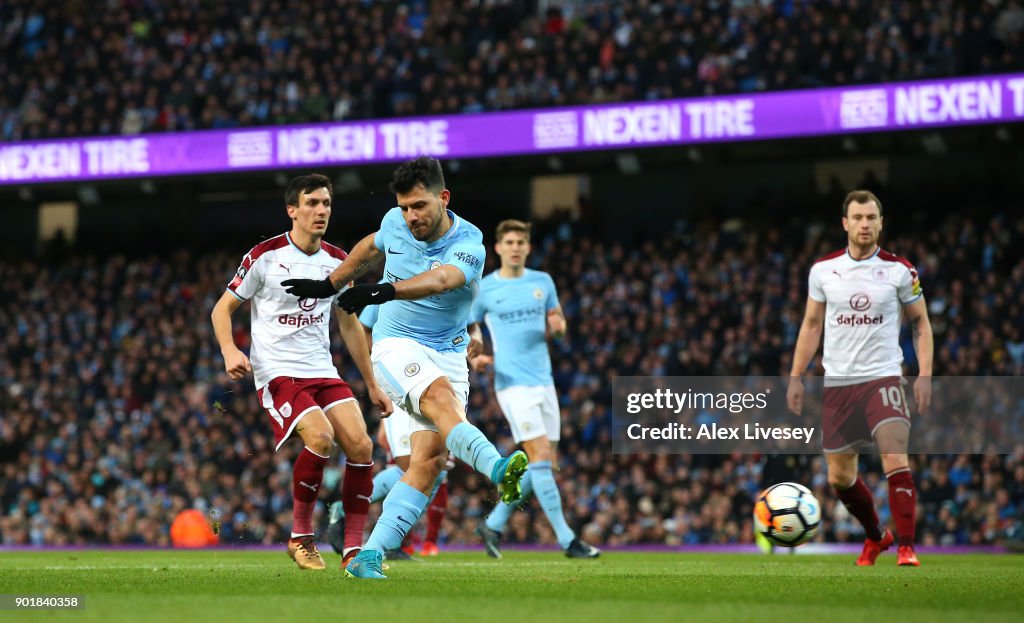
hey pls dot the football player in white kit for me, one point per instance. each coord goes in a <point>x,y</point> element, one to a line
<point>296,380</point>
<point>859,295</point>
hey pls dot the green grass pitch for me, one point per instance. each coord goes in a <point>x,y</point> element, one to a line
<point>250,587</point>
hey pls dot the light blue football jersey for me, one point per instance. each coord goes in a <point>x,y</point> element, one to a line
<point>515,312</point>
<point>368,317</point>
<point>438,321</point>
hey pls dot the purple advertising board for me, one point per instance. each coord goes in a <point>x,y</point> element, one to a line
<point>817,112</point>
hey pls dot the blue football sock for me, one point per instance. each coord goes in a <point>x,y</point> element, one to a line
<point>502,511</point>
<point>402,508</point>
<point>384,481</point>
<point>470,446</point>
<point>550,501</point>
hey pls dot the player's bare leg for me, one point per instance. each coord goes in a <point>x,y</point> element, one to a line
<point>539,449</point>
<point>349,429</point>
<point>426,460</point>
<point>440,404</point>
<point>892,439</point>
<point>317,436</point>
<point>855,495</point>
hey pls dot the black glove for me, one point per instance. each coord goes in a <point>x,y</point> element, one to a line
<point>358,297</point>
<point>310,288</point>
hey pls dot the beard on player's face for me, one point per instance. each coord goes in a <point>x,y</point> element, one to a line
<point>427,223</point>
<point>863,232</point>
<point>862,238</point>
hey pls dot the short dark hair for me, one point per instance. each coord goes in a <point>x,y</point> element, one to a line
<point>512,225</point>
<point>861,196</point>
<point>423,170</point>
<point>306,184</point>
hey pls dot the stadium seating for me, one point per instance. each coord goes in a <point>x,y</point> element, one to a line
<point>177,65</point>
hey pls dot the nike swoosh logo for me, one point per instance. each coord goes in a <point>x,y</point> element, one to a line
<point>375,294</point>
<point>392,251</point>
<point>500,301</point>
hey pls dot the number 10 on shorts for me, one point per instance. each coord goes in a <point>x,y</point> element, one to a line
<point>894,397</point>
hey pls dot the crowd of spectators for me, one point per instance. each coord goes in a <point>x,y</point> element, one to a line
<point>76,68</point>
<point>116,412</point>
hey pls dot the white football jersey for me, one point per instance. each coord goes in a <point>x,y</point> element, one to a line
<point>864,302</point>
<point>290,336</point>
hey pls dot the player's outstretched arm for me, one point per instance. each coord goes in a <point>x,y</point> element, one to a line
<point>235,362</point>
<point>354,336</point>
<point>429,283</point>
<point>435,281</point>
<point>806,347</point>
<point>362,257</point>
<point>924,346</point>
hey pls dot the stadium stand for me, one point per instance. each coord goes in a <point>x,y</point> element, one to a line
<point>80,68</point>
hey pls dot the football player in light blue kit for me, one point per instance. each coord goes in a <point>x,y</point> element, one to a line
<point>520,308</point>
<point>394,433</point>
<point>432,264</point>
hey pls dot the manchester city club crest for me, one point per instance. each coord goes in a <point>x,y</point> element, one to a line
<point>538,294</point>
<point>412,369</point>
